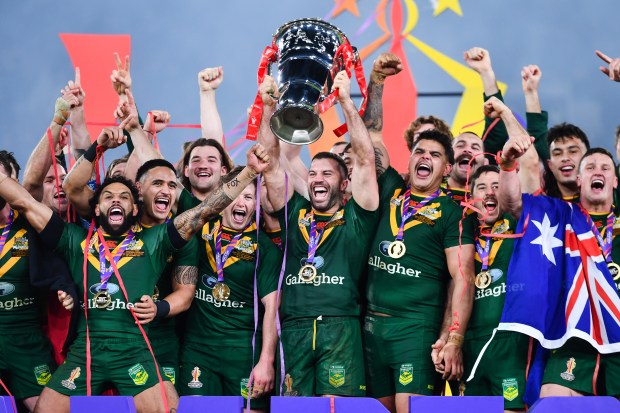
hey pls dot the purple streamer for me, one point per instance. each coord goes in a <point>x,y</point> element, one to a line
<point>278,325</point>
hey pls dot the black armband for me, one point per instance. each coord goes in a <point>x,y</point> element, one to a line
<point>91,153</point>
<point>176,239</point>
<point>163,309</point>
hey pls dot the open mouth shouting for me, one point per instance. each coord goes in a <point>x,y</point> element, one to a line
<point>462,163</point>
<point>162,204</point>
<point>239,216</point>
<point>490,204</point>
<point>116,215</point>
<point>319,192</point>
<point>423,169</point>
<point>597,185</point>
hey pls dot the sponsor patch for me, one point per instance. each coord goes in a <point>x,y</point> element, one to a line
<point>170,373</point>
<point>6,289</point>
<point>195,383</point>
<point>570,366</point>
<point>69,383</point>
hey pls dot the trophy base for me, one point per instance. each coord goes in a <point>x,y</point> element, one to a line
<point>296,125</point>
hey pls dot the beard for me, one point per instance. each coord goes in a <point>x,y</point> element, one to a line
<point>128,221</point>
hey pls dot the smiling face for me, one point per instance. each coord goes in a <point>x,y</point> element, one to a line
<point>597,181</point>
<point>204,169</point>
<point>116,209</point>
<point>428,165</point>
<point>53,197</point>
<point>157,188</point>
<point>565,154</point>
<point>466,146</point>
<point>325,185</point>
<point>484,193</point>
<point>240,212</point>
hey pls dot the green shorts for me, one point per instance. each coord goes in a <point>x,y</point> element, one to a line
<point>167,354</point>
<point>123,363</point>
<point>218,371</point>
<point>398,356</point>
<point>577,365</point>
<point>26,363</point>
<point>323,356</point>
<point>501,371</point>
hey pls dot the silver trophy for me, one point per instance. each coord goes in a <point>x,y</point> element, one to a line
<point>308,58</point>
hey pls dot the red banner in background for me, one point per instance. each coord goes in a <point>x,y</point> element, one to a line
<point>94,55</point>
<point>400,97</point>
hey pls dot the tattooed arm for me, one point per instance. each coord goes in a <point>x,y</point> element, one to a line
<point>189,222</point>
<point>387,64</point>
<point>184,280</point>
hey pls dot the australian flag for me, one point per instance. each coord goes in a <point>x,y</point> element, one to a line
<point>558,284</point>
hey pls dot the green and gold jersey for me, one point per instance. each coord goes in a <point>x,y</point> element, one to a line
<point>489,301</point>
<point>186,201</point>
<point>276,237</point>
<point>19,301</point>
<point>231,322</point>
<point>339,259</point>
<point>140,267</point>
<point>413,286</point>
<point>185,257</point>
<point>600,220</point>
<point>458,195</point>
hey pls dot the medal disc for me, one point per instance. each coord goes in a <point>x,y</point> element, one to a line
<point>483,279</point>
<point>307,273</point>
<point>102,299</point>
<point>614,269</point>
<point>396,249</point>
<point>155,295</point>
<point>221,292</point>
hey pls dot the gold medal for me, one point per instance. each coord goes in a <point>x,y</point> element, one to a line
<point>155,295</point>
<point>396,249</point>
<point>307,273</point>
<point>102,299</point>
<point>221,292</point>
<point>483,279</point>
<point>614,269</point>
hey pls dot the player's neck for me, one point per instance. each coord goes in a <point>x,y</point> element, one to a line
<point>200,195</point>
<point>597,207</point>
<point>149,221</point>
<point>455,183</point>
<point>568,191</point>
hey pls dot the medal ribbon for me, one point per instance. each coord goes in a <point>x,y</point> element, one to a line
<point>5,232</point>
<point>484,252</point>
<point>106,272</point>
<point>604,243</point>
<point>220,259</point>
<point>408,212</point>
<point>315,237</point>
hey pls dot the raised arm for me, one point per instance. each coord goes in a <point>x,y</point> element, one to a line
<point>274,174</point>
<point>387,64</point>
<point>20,199</point>
<point>290,158</point>
<point>209,80</point>
<point>536,119</point>
<point>41,158</point>
<point>364,186</point>
<point>479,59</point>
<point>75,184</point>
<point>80,138</point>
<point>189,222</point>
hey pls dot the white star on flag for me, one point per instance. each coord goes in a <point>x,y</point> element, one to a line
<point>547,239</point>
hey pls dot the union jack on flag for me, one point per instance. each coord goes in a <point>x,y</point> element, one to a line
<point>558,284</point>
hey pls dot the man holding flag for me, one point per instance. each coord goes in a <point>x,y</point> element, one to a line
<point>570,304</point>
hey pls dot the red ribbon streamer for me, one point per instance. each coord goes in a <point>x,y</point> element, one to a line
<point>256,114</point>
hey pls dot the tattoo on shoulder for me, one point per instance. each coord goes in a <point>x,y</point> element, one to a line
<point>186,275</point>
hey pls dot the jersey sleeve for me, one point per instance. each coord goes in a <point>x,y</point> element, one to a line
<point>497,136</point>
<point>186,201</point>
<point>457,231</point>
<point>188,255</point>
<point>270,261</point>
<point>388,182</point>
<point>538,127</point>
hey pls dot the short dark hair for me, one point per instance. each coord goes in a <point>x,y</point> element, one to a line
<point>565,130</point>
<point>342,167</point>
<point>7,159</point>
<point>479,171</point>
<point>225,159</point>
<point>94,200</point>
<point>439,137</point>
<point>151,164</point>
<point>115,162</point>
<point>592,151</point>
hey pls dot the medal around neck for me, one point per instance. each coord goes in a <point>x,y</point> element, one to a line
<point>396,249</point>
<point>221,292</point>
<point>614,269</point>
<point>102,299</point>
<point>483,279</point>
<point>307,273</point>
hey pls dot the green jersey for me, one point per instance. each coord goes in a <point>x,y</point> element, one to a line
<point>339,259</point>
<point>458,195</point>
<point>19,301</point>
<point>140,266</point>
<point>600,220</point>
<point>413,286</point>
<point>489,301</point>
<point>231,322</point>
